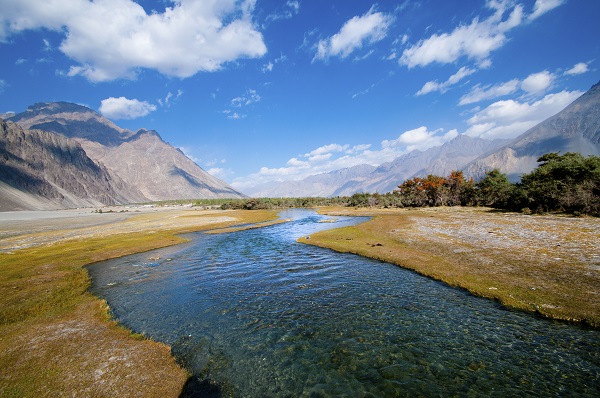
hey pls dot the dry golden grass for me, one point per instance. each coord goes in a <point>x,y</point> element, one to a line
<point>58,340</point>
<point>545,264</point>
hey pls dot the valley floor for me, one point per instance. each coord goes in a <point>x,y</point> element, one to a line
<point>56,339</point>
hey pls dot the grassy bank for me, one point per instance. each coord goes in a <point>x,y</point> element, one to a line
<point>56,339</point>
<point>549,265</point>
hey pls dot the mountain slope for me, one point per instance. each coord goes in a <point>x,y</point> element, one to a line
<point>142,159</point>
<point>574,129</point>
<point>43,170</point>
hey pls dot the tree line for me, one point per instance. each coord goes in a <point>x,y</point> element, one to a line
<point>567,183</point>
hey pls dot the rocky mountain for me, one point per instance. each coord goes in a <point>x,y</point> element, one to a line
<point>574,129</point>
<point>43,170</point>
<point>149,167</point>
<point>440,160</point>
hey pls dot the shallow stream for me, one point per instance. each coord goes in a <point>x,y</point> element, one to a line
<point>256,314</point>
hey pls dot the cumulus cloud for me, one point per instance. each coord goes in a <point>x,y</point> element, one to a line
<point>537,82</point>
<point>534,84</point>
<point>578,69</point>
<point>444,86</point>
<point>477,40</point>
<point>420,138</point>
<point>123,108</point>
<point>368,28</point>
<point>112,39</point>
<point>474,41</point>
<point>511,118</point>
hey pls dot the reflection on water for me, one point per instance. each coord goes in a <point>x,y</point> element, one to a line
<point>260,315</point>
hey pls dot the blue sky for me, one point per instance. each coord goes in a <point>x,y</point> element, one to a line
<point>261,90</point>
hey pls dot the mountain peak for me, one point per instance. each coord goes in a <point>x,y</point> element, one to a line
<point>58,107</point>
<point>71,120</point>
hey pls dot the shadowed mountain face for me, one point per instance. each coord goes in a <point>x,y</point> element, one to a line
<point>574,129</point>
<point>147,167</point>
<point>43,170</point>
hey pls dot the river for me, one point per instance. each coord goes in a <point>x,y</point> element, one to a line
<point>256,314</point>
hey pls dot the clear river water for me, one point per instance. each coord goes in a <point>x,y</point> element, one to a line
<point>256,314</point>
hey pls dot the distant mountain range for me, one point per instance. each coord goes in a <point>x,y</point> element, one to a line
<point>60,155</point>
<point>574,129</point>
<point>439,160</point>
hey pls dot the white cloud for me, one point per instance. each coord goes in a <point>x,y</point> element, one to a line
<point>287,11</point>
<point>510,118</point>
<point>2,85</point>
<point>235,115</point>
<point>578,69</point>
<point>537,82</point>
<point>123,108</point>
<point>268,67</point>
<point>249,98</point>
<point>474,41</point>
<point>112,39</point>
<point>368,28</point>
<point>170,98</point>
<point>336,156</point>
<point>534,84</point>
<point>543,6</point>
<point>420,138</point>
<point>327,149</point>
<point>443,87</point>
<point>479,93</point>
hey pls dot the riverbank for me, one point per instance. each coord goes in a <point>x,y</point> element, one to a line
<point>56,339</point>
<point>549,265</point>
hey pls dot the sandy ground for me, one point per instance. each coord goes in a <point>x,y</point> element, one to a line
<point>24,229</point>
